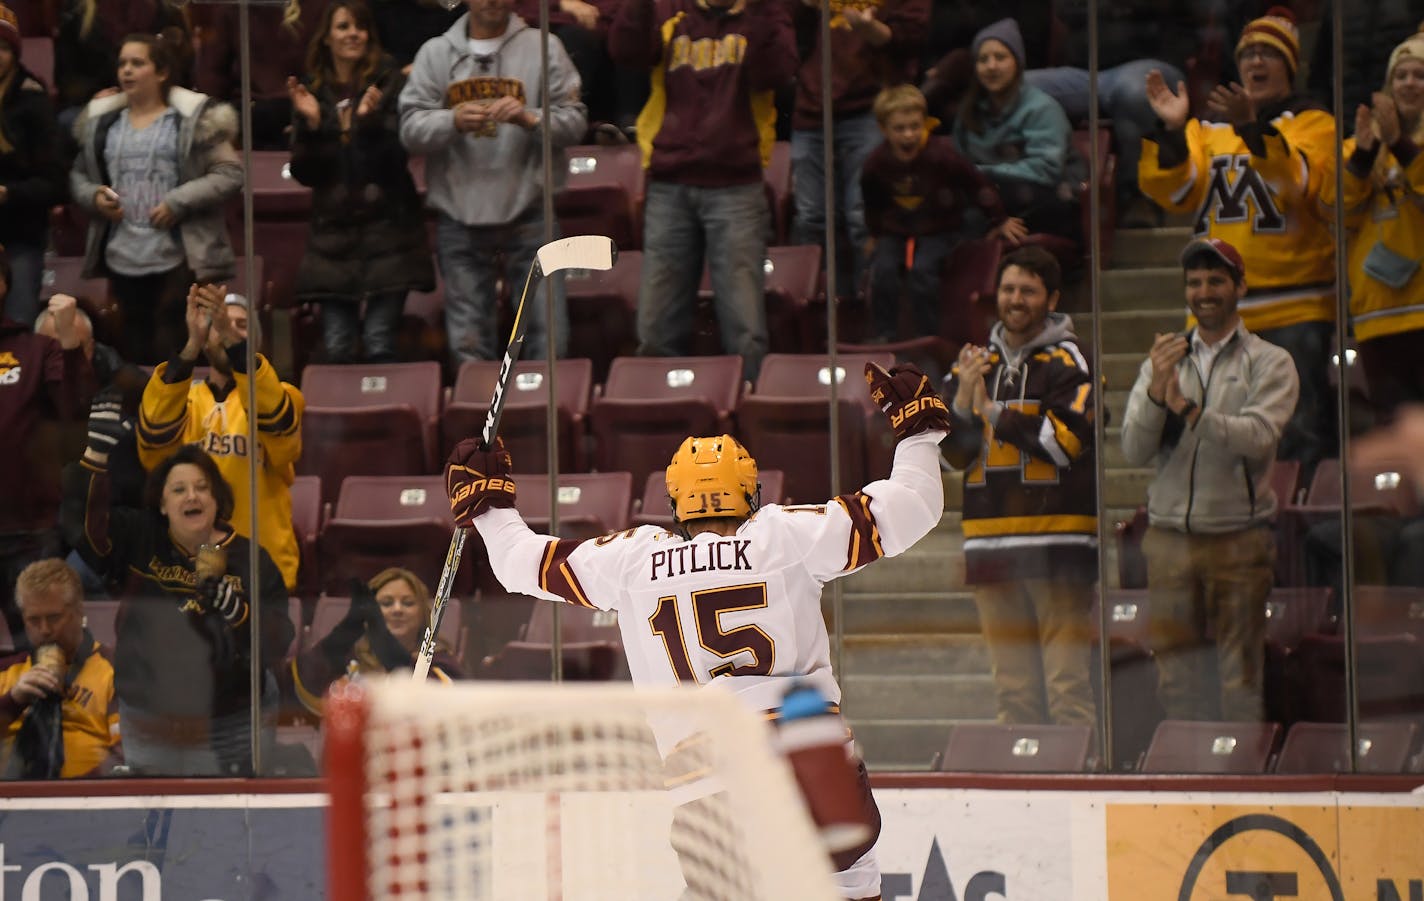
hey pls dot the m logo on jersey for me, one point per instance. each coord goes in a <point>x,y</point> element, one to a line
<point>9,368</point>
<point>1234,191</point>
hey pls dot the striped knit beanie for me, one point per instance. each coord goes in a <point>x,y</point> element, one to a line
<point>1276,29</point>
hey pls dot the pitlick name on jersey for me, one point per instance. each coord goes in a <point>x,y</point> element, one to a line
<point>723,555</point>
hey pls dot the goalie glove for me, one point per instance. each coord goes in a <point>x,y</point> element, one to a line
<point>908,399</point>
<point>477,479</point>
<point>220,595</point>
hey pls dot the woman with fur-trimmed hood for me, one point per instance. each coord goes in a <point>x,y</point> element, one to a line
<point>156,164</point>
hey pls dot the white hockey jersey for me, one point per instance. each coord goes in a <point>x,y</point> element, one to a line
<point>746,606</point>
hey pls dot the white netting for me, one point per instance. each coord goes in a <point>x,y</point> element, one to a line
<point>485,791</point>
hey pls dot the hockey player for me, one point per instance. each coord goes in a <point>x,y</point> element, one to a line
<point>734,592</point>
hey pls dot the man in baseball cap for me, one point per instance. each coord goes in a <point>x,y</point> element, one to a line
<point>1207,412</point>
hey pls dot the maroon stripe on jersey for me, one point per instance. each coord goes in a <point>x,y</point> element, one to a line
<point>864,545</point>
<point>557,577</point>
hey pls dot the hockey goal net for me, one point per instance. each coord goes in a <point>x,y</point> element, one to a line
<point>543,791</point>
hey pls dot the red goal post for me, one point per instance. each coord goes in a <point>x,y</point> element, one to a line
<point>560,791</point>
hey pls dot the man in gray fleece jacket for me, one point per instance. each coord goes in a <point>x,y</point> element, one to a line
<point>470,107</point>
<point>1208,409</point>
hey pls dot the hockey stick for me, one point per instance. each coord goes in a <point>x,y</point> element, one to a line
<point>578,252</point>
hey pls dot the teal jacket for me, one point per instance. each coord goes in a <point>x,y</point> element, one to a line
<point>1028,141</point>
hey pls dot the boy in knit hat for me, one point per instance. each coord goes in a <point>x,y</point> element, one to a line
<point>1251,176</point>
<point>918,190</point>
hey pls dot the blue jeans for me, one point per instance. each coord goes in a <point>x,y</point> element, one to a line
<point>921,283</point>
<point>682,224</point>
<point>22,304</point>
<point>227,750</point>
<point>1122,97</point>
<point>853,140</point>
<point>342,323</point>
<point>1310,435</point>
<point>470,264</point>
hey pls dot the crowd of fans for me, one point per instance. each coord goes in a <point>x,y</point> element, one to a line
<point>951,123</point>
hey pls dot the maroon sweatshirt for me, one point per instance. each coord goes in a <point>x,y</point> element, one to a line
<point>858,70</point>
<point>926,195</point>
<point>277,51</point>
<point>711,117</point>
<point>44,394</point>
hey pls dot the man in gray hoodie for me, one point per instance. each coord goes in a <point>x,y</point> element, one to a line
<point>1207,410</point>
<point>470,106</point>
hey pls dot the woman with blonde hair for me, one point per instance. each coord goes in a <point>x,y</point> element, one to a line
<point>280,36</point>
<point>381,633</point>
<point>1384,217</point>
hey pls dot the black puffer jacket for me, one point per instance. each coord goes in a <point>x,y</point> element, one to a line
<point>367,227</point>
<point>32,171</point>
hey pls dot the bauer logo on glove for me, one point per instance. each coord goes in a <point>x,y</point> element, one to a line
<point>908,398</point>
<point>477,479</point>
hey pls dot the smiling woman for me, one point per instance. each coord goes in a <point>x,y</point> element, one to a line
<point>184,641</point>
<point>380,633</point>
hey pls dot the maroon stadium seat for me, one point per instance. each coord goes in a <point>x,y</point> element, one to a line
<point>382,521</point>
<point>590,504</point>
<point>592,648</point>
<point>1133,672</point>
<point>1011,748</point>
<point>785,422</point>
<point>777,177</point>
<point>1389,610</point>
<point>650,404</point>
<point>64,275</point>
<point>1291,614</point>
<point>100,617</point>
<point>524,424</point>
<point>602,193</point>
<point>793,281</point>
<point>1217,748</point>
<point>369,419</point>
<point>1372,492</point>
<point>654,510</point>
<point>603,307</point>
<point>306,522</point>
<point>1390,677</point>
<point>331,609</point>
<point>1312,748</point>
<point>38,55</point>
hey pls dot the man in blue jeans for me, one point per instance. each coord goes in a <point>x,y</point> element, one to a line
<point>706,134</point>
<point>465,107</point>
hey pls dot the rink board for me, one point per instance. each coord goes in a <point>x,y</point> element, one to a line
<point>937,844</point>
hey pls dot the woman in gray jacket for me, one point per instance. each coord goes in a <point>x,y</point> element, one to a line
<point>155,165</point>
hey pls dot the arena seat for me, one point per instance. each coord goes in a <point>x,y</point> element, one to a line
<point>382,521</point>
<point>653,509</point>
<point>650,404</point>
<point>1312,748</point>
<point>1216,748</point>
<point>524,423</point>
<point>1389,610</point>
<point>1291,614</point>
<point>602,193</point>
<point>307,522</point>
<point>422,325</point>
<point>777,178</point>
<point>793,281</point>
<point>785,421</point>
<point>591,504</point>
<point>331,609</point>
<point>100,618</point>
<point>1390,681</point>
<point>64,275</point>
<point>281,221</point>
<point>591,650</point>
<point>1013,748</point>
<point>1376,493</point>
<point>38,54</point>
<point>603,309</point>
<point>1133,672</point>
<point>369,419</point>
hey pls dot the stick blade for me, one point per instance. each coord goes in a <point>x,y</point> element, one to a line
<point>577,252</point>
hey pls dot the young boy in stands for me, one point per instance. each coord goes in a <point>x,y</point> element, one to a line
<point>922,198</point>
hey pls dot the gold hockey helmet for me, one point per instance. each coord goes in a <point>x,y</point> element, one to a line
<point>712,476</point>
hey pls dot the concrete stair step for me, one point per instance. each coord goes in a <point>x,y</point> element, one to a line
<point>908,655</point>
<point>921,696</point>
<point>1157,288</point>
<point>1144,247</point>
<point>1130,332</point>
<point>1120,369</point>
<point>945,611</point>
<point>901,745</point>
